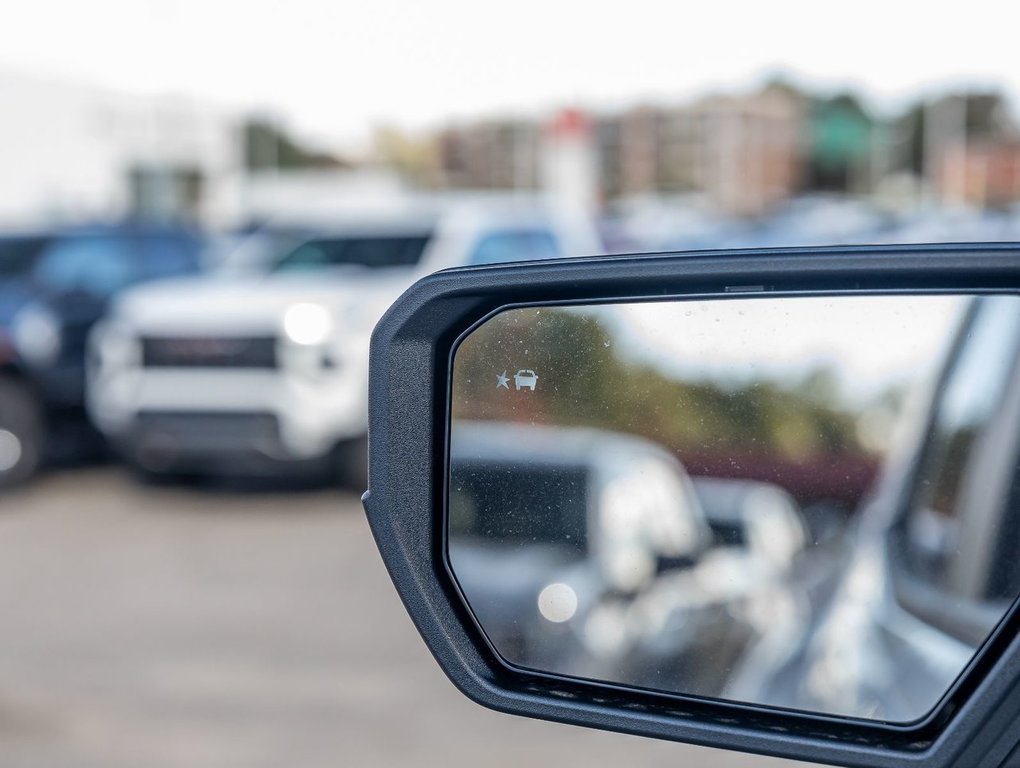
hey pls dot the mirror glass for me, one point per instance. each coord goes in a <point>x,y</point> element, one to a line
<point>806,502</point>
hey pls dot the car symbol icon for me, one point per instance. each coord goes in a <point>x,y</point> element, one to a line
<point>525,379</point>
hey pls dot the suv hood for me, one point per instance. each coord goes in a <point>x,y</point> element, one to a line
<point>256,304</point>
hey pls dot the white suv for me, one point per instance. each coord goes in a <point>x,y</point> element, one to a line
<point>268,373</point>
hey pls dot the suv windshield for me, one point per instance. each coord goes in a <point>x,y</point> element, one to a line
<point>98,265</point>
<point>491,503</point>
<point>362,251</point>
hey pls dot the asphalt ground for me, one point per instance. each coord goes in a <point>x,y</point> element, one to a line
<point>177,626</point>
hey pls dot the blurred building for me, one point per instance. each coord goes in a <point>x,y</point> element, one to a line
<point>744,151</point>
<point>844,151</point>
<point>637,149</point>
<point>655,150</point>
<point>494,154</point>
<point>982,174</point>
<point>744,154</point>
<point>72,151</point>
<point>754,156</point>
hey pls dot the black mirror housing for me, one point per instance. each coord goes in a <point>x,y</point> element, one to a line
<point>976,722</point>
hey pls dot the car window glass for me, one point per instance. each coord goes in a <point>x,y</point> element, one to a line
<point>252,250</point>
<point>96,265</point>
<point>375,252</point>
<point>519,245</point>
<point>490,504</point>
<point>168,256</point>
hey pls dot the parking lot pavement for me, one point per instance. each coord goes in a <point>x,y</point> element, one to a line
<point>179,627</point>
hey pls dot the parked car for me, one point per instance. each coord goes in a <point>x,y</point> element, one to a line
<point>599,543</point>
<point>747,513</point>
<point>619,576</point>
<point>54,286</point>
<point>268,373</point>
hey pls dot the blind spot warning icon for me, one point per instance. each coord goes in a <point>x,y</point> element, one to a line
<point>526,379</point>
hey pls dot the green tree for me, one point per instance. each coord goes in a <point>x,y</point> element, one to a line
<point>583,382</point>
<point>267,146</point>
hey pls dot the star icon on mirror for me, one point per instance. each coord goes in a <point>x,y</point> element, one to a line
<point>502,381</point>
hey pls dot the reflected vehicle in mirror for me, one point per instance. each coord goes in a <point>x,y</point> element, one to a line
<point>618,512</point>
<point>588,552</point>
<point>935,567</point>
<point>759,516</point>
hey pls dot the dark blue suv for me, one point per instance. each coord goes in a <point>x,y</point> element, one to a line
<point>53,287</point>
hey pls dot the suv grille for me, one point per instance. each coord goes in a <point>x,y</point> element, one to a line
<point>209,352</point>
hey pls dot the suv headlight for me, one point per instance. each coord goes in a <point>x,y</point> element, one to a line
<point>36,333</point>
<point>307,324</point>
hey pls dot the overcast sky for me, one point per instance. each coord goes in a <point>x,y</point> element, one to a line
<point>334,68</point>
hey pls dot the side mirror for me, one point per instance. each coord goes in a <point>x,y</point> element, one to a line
<point>593,480</point>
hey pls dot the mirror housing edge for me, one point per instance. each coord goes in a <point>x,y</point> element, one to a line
<point>411,358</point>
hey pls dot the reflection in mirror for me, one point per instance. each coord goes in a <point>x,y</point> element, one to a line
<point>807,502</point>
